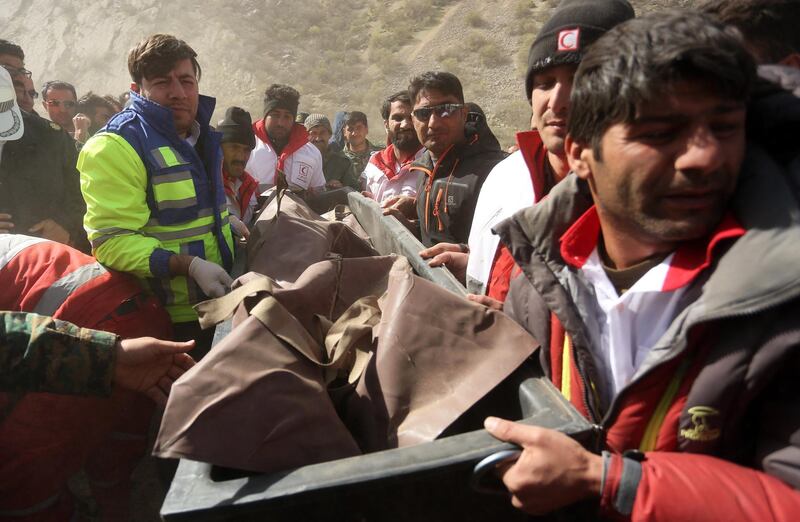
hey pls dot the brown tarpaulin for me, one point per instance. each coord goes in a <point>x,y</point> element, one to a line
<point>402,368</point>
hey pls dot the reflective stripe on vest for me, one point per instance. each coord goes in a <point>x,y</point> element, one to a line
<point>163,233</point>
<point>184,231</point>
<point>59,292</point>
<point>175,190</point>
<point>167,157</point>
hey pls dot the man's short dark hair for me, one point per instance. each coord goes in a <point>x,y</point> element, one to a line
<point>90,101</point>
<point>12,49</point>
<point>401,96</point>
<point>770,27</point>
<point>156,55</point>
<point>355,117</point>
<point>58,85</point>
<point>443,82</point>
<point>640,60</point>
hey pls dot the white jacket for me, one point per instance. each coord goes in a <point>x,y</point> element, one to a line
<point>381,187</point>
<point>303,168</point>
<point>507,189</point>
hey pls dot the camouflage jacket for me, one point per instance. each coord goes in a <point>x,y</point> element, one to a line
<point>42,354</point>
<point>360,159</point>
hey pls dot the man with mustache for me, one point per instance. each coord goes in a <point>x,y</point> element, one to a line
<point>453,167</point>
<point>388,172</point>
<point>282,146</point>
<point>336,167</point>
<point>527,176</point>
<point>241,188</point>
<point>661,283</point>
<point>153,187</point>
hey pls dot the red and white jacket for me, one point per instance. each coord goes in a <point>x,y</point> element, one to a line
<point>513,184</point>
<point>300,161</point>
<point>386,176</point>
<point>692,380</point>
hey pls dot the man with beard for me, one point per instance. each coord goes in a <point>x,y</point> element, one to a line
<point>241,188</point>
<point>336,167</point>
<point>282,146</point>
<point>661,281</point>
<point>153,188</point>
<point>388,172</point>
<point>454,165</point>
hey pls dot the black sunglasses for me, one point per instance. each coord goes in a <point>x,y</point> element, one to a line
<point>444,110</point>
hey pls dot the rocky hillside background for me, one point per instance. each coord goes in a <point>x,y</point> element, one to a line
<point>340,54</point>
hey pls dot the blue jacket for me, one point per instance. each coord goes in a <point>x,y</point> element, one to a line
<point>150,195</point>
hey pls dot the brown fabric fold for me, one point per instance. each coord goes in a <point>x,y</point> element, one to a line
<point>437,355</point>
<point>330,359</point>
<point>259,400</point>
<point>282,245</point>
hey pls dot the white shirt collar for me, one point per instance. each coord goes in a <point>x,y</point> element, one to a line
<point>194,134</point>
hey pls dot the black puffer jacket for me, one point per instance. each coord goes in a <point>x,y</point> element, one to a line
<point>448,191</point>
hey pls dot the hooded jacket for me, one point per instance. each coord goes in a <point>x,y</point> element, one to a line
<point>448,188</point>
<point>713,411</point>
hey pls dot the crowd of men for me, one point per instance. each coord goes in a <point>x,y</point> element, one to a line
<point>645,231</point>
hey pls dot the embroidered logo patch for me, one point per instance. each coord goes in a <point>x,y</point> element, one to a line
<point>569,39</point>
<point>702,418</point>
<point>303,172</point>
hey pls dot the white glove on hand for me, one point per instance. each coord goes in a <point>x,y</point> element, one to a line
<point>211,277</point>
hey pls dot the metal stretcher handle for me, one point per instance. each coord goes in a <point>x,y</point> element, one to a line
<point>483,480</point>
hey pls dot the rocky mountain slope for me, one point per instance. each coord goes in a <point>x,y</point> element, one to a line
<point>340,54</point>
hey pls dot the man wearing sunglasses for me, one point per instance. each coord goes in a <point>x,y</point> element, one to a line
<point>454,165</point>
<point>527,176</point>
<point>60,101</point>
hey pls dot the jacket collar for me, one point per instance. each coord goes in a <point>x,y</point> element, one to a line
<point>160,117</point>
<point>297,137</point>
<point>690,259</point>
<point>385,161</point>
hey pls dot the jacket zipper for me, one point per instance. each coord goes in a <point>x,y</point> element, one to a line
<point>614,406</point>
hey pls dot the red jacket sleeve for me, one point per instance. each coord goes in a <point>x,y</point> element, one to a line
<point>682,486</point>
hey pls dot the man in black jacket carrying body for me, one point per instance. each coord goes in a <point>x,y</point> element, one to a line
<point>456,161</point>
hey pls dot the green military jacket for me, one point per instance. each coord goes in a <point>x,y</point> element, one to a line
<point>42,354</point>
<point>337,167</point>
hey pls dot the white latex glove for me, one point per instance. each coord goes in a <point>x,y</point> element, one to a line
<point>211,277</point>
<point>239,228</point>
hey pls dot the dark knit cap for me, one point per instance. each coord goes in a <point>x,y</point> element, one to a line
<point>237,127</point>
<point>575,24</point>
<point>278,96</point>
